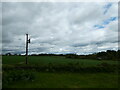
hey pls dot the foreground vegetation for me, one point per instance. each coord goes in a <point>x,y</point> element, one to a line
<point>65,80</point>
<point>59,72</point>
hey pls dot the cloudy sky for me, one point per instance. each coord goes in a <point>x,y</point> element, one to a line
<point>60,27</point>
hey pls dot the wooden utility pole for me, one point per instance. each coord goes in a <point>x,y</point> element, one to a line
<point>27,41</point>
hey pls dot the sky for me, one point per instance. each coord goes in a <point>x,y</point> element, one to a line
<point>59,27</point>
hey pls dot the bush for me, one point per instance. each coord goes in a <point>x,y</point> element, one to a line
<point>16,75</point>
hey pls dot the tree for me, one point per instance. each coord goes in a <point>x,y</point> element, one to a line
<point>8,54</point>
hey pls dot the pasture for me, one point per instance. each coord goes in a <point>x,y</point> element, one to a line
<point>56,60</point>
<point>67,78</point>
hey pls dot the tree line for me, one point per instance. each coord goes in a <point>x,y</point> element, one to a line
<point>104,55</point>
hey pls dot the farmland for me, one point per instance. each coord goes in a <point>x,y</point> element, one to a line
<point>52,59</point>
<point>58,72</point>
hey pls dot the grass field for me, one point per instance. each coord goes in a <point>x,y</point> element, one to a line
<point>61,79</point>
<point>41,60</point>
<point>69,80</point>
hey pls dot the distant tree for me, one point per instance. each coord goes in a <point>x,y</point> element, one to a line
<point>19,54</point>
<point>8,54</point>
<point>111,54</point>
<point>118,55</point>
<point>33,54</point>
<point>15,54</point>
<point>71,56</point>
<point>106,55</point>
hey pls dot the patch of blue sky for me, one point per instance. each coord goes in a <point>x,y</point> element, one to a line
<point>107,21</point>
<point>98,26</point>
<point>106,7</point>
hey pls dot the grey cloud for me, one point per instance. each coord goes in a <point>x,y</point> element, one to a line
<point>58,27</point>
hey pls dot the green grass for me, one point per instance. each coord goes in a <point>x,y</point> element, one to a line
<point>69,80</point>
<point>43,60</point>
<point>62,80</point>
<point>12,59</point>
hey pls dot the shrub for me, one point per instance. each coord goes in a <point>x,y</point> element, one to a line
<point>16,75</point>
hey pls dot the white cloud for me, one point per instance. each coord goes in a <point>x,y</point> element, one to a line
<point>59,27</point>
